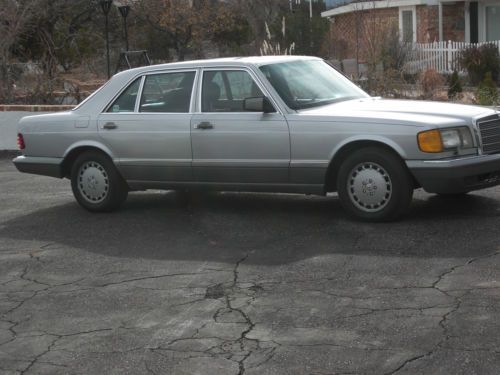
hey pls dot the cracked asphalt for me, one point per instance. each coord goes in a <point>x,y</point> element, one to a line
<point>228,283</point>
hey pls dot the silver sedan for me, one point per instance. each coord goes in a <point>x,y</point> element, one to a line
<point>274,124</point>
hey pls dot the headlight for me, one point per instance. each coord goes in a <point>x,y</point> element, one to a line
<point>440,140</point>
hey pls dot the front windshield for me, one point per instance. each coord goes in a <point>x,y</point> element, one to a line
<point>310,83</point>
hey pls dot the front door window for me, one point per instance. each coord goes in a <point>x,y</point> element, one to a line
<point>226,90</point>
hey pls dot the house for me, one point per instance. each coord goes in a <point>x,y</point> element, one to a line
<point>419,21</point>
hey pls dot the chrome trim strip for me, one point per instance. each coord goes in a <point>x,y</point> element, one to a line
<point>155,162</point>
<point>309,163</point>
<point>139,95</point>
<point>192,104</point>
<point>478,158</point>
<point>478,130</point>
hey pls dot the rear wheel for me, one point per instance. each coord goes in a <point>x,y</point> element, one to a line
<point>374,185</point>
<point>96,184</point>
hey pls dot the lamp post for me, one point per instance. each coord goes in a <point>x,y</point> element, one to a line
<point>106,7</point>
<point>124,11</point>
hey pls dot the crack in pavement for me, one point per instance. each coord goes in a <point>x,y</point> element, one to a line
<point>57,337</point>
<point>154,277</point>
<point>445,317</point>
<point>237,350</point>
<point>236,296</point>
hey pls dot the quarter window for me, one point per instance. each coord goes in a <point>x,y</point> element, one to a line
<point>226,90</point>
<point>126,101</point>
<point>167,92</point>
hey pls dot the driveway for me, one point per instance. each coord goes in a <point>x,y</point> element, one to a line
<point>228,283</point>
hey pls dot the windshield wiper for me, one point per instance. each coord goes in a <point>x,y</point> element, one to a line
<point>322,102</point>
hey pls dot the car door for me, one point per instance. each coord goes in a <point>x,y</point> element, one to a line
<point>231,145</point>
<point>147,127</point>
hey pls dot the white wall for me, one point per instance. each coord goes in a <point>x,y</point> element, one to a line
<point>8,128</point>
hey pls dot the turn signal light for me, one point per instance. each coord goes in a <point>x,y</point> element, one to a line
<point>20,141</point>
<point>430,141</point>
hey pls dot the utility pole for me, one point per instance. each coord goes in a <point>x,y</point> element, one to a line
<point>310,27</point>
<point>124,11</point>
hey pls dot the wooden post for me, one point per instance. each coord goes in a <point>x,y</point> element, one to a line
<point>450,56</point>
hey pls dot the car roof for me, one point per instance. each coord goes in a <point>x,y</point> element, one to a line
<point>227,61</point>
<point>109,90</point>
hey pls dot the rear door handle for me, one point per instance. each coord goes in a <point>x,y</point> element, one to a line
<point>204,125</point>
<point>109,126</point>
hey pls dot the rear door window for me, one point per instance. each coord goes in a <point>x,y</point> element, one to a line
<point>167,92</point>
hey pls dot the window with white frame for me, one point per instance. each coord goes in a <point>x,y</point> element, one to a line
<point>492,13</point>
<point>408,24</point>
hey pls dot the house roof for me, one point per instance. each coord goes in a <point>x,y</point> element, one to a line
<point>357,6</point>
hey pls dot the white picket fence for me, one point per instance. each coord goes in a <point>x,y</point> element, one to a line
<point>440,56</point>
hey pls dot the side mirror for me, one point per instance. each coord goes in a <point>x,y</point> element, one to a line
<point>258,104</point>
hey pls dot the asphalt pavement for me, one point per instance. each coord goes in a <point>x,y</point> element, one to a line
<point>238,283</point>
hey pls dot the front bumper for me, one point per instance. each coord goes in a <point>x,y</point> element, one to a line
<point>457,175</point>
<point>39,165</point>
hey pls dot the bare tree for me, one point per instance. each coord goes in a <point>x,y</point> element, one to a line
<point>15,18</point>
<point>258,13</point>
<point>187,23</point>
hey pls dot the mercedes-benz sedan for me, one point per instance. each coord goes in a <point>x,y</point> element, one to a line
<point>270,124</point>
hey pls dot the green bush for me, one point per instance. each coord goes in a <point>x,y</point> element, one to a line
<point>487,93</point>
<point>454,85</point>
<point>480,60</point>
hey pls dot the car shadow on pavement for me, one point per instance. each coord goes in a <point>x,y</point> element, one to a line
<point>276,229</point>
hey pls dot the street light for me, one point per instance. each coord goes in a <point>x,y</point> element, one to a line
<point>106,7</point>
<point>124,11</point>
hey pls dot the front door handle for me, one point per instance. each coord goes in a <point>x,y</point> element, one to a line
<point>204,125</point>
<point>109,126</point>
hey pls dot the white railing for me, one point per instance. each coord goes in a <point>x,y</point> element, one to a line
<point>440,56</point>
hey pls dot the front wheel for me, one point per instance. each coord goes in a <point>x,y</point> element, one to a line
<point>374,185</point>
<point>96,183</point>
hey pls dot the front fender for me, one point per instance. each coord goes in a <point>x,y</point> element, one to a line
<point>369,138</point>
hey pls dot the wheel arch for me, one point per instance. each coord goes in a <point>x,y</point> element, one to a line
<point>77,149</point>
<point>344,149</point>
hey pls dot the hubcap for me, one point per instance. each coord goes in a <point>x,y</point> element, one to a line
<point>369,187</point>
<point>93,182</point>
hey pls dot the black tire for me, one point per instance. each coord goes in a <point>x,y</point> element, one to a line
<point>96,183</point>
<point>373,184</point>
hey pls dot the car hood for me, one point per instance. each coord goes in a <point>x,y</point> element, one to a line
<point>402,111</point>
